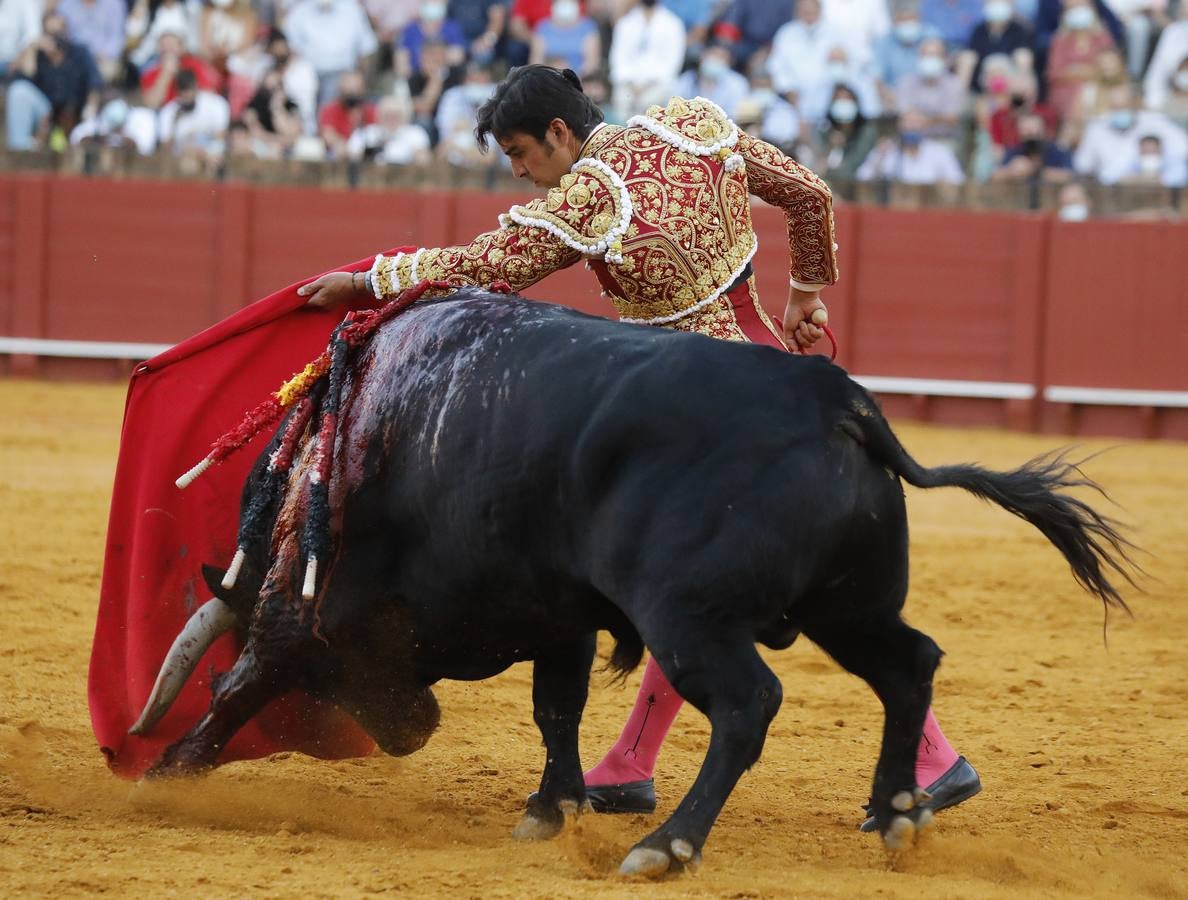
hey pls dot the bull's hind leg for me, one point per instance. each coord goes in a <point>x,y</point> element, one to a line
<point>898,663</point>
<point>560,683</point>
<point>238,695</point>
<point>723,676</point>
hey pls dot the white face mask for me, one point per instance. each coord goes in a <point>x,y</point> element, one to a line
<point>712,68</point>
<point>837,70</point>
<point>1181,79</point>
<point>566,11</point>
<point>930,66</point>
<point>1150,165</point>
<point>1079,18</point>
<point>433,12</point>
<point>1074,212</point>
<point>908,31</point>
<point>844,110</point>
<point>997,11</point>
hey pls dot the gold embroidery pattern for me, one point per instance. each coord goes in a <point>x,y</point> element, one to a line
<point>805,199</point>
<point>716,320</point>
<point>519,256</point>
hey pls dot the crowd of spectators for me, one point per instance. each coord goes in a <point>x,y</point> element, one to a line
<point>928,92</point>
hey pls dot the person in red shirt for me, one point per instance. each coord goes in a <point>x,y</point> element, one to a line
<point>157,81</point>
<point>347,111</point>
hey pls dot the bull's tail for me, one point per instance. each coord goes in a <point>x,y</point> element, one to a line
<point>1035,492</point>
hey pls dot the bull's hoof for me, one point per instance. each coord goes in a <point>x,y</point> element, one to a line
<point>537,825</point>
<point>531,828</point>
<point>648,862</point>
<point>903,831</point>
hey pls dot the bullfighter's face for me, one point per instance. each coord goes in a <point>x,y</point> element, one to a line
<point>543,161</point>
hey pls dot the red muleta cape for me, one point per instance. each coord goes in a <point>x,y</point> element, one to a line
<point>158,536</point>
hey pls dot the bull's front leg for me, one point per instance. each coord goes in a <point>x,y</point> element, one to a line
<point>724,677</point>
<point>560,683</point>
<point>238,695</point>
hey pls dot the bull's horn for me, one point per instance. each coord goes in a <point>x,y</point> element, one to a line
<point>211,620</point>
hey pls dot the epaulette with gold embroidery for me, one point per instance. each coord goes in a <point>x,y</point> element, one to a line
<point>589,211</point>
<point>698,126</point>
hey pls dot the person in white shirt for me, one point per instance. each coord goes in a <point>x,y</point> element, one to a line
<point>334,36</point>
<point>195,122</point>
<point>914,159</point>
<point>646,54</point>
<point>20,25</point>
<point>862,22</point>
<point>815,96</point>
<point>393,139</point>
<point>715,80</point>
<point>1110,146</point>
<point>800,50</point>
<point>1171,49</point>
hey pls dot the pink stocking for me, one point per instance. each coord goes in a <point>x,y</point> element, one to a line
<point>935,755</point>
<point>633,757</point>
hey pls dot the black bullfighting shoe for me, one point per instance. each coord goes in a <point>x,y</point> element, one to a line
<point>957,785</point>
<point>630,797</point>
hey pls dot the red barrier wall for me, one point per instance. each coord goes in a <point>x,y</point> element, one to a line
<point>954,316</point>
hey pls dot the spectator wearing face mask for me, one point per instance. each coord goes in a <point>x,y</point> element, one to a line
<point>1151,166</point>
<point>846,139</point>
<point>895,53</point>
<point>913,158</point>
<point>646,54</point>
<point>430,24</point>
<point>1073,55</point>
<point>348,111</point>
<point>1111,141</point>
<point>334,36</point>
<point>933,92</point>
<point>194,124</point>
<point>998,34</point>
<point>715,80</point>
<point>569,36</point>
<point>1072,205</point>
<point>455,119</point>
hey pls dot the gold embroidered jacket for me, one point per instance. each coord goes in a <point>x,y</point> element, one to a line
<point>660,208</point>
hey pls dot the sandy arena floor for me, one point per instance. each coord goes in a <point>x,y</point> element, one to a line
<point>1081,746</point>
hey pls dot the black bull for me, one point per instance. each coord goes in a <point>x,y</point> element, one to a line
<point>511,477</point>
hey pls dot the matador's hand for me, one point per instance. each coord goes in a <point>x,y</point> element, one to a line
<point>803,318</point>
<point>333,288</point>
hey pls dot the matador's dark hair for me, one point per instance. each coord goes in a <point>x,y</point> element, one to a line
<point>530,98</point>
